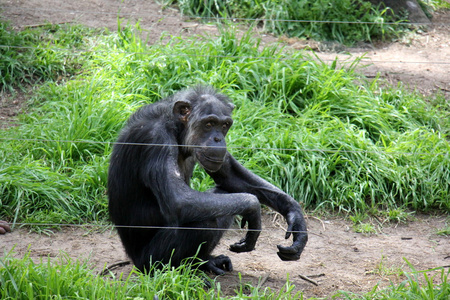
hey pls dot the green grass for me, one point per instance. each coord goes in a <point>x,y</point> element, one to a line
<point>445,230</point>
<point>428,284</point>
<point>434,4</point>
<point>318,131</point>
<point>37,55</point>
<point>67,279</point>
<point>384,269</point>
<point>64,278</point>
<point>345,21</point>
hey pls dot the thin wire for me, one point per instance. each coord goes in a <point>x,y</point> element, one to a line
<point>226,147</point>
<point>268,229</point>
<point>151,14</point>
<point>155,227</point>
<point>366,60</point>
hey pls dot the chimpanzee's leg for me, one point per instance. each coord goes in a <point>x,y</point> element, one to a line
<point>175,245</point>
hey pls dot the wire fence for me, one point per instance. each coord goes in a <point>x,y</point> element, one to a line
<point>231,229</point>
<point>151,227</point>
<point>231,147</point>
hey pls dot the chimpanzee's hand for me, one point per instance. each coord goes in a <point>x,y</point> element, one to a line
<point>254,229</point>
<point>218,265</point>
<point>4,227</point>
<point>296,227</point>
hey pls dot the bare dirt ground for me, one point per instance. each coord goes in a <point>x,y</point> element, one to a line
<point>336,257</point>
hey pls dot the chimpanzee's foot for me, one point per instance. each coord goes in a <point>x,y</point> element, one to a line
<point>218,265</point>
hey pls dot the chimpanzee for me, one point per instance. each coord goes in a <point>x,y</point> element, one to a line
<point>149,185</point>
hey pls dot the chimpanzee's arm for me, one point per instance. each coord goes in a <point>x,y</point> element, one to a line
<point>181,205</point>
<point>234,178</point>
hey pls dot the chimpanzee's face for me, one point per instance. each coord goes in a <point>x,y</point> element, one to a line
<point>209,130</point>
<point>207,123</point>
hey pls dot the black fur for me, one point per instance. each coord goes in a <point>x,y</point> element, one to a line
<point>148,185</point>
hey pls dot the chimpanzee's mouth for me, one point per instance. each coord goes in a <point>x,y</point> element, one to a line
<point>212,164</point>
<point>213,159</point>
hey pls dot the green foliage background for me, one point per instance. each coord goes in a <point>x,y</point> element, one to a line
<point>345,21</point>
<point>317,130</point>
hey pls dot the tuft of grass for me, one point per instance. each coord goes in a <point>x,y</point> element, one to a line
<point>444,230</point>
<point>398,215</point>
<point>433,5</point>
<point>418,285</point>
<point>360,225</point>
<point>384,269</point>
<point>365,228</point>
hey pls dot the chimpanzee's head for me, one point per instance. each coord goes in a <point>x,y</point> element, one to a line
<point>206,116</point>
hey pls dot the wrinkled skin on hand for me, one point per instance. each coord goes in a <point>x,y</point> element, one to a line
<point>300,237</point>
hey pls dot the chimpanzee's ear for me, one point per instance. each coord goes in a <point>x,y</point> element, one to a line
<point>182,110</point>
<point>231,105</point>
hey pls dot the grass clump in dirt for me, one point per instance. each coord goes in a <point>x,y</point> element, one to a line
<point>427,284</point>
<point>316,130</point>
<point>345,21</point>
